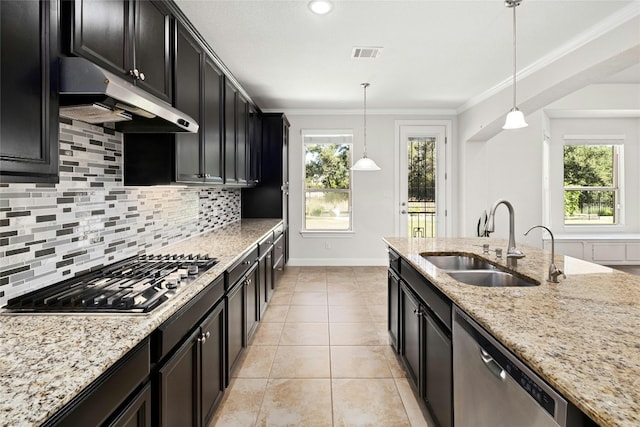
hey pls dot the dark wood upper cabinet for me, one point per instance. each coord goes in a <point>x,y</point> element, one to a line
<point>213,160</point>
<point>130,38</point>
<point>29,92</point>
<point>242,149</point>
<point>230,94</point>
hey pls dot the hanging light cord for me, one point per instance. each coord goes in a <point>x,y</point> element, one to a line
<point>365,85</point>
<point>514,4</point>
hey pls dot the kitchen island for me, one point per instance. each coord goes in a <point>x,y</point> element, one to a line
<point>581,335</point>
<point>46,359</point>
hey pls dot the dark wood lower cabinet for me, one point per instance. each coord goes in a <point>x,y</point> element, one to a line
<point>235,301</point>
<point>191,382</point>
<point>393,313</point>
<point>138,411</point>
<point>253,296</point>
<point>423,339</point>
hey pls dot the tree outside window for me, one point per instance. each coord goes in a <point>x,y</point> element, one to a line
<point>327,161</point>
<point>591,185</point>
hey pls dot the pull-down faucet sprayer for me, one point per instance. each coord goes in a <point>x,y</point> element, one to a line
<point>513,254</point>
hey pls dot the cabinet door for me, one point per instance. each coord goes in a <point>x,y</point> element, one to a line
<point>269,284</point>
<point>254,145</point>
<point>212,123</point>
<point>235,326</point>
<point>411,334</point>
<point>439,373</point>
<point>178,386</point>
<point>153,48</point>
<point>242,163</point>
<point>393,312</point>
<point>102,33</point>
<point>212,362</point>
<point>187,99</point>
<point>138,411</point>
<point>252,313</point>
<point>29,101</point>
<point>229,134</point>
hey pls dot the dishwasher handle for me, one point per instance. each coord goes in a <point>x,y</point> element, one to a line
<point>492,365</point>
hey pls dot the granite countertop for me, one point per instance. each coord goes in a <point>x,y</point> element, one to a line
<point>581,335</point>
<point>47,359</point>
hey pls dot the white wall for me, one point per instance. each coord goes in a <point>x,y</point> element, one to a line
<point>372,192</point>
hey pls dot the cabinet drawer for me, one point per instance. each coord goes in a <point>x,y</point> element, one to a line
<point>432,297</point>
<point>265,244</point>
<point>278,231</point>
<point>171,332</point>
<point>240,267</point>
<point>394,261</point>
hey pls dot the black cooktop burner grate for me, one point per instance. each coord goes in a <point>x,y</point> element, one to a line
<point>135,285</point>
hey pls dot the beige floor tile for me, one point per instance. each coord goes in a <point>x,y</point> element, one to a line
<point>346,298</point>
<point>268,333</point>
<point>345,314</point>
<point>305,334</point>
<point>311,286</point>
<point>307,314</point>
<point>301,362</point>
<point>378,313</point>
<point>411,407</point>
<point>256,362</point>
<point>296,402</point>
<point>281,297</point>
<point>367,402</point>
<point>309,298</point>
<point>354,334</point>
<point>287,286</point>
<point>359,362</point>
<point>395,365</point>
<point>345,286</point>
<point>275,313</point>
<point>241,404</point>
<point>374,297</point>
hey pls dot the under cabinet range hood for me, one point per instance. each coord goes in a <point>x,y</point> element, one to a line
<point>91,94</point>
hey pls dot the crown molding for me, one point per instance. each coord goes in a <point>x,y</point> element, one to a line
<point>370,112</point>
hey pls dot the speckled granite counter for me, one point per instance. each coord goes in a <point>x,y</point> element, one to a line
<point>582,335</point>
<point>46,360</point>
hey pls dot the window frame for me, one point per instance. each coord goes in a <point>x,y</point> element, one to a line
<point>617,185</point>
<point>307,135</point>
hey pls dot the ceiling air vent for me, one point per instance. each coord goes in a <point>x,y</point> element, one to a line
<point>366,52</point>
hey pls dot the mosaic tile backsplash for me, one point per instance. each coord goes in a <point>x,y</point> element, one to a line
<point>50,232</point>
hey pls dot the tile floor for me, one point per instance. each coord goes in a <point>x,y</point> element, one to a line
<point>320,357</point>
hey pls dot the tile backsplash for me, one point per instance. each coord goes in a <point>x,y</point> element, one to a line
<point>50,232</point>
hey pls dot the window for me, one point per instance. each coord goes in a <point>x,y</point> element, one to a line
<point>327,183</point>
<point>592,183</point>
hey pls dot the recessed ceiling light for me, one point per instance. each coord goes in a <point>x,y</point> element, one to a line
<point>321,7</point>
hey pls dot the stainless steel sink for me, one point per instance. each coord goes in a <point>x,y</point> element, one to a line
<point>490,278</point>
<point>458,262</point>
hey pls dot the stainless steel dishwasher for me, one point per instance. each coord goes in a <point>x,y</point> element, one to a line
<point>492,388</point>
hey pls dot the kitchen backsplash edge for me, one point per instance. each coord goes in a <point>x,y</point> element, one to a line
<point>51,232</point>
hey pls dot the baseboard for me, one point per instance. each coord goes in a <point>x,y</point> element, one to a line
<point>337,262</point>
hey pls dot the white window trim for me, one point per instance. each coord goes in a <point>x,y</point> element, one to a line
<point>611,139</point>
<point>326,233</point>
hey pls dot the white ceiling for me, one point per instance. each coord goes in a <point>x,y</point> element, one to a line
<point>437,54</point>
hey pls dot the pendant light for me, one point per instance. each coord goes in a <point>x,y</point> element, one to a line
<point>365,163</point>
<point>320,7</point>
<point>515,118</point>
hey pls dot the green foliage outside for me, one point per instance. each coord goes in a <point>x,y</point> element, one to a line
<point>588,166</point>
<point>422,169</point>
<point>328,176</point>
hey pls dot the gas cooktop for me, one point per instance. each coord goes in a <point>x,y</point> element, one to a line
<point>135,285</point>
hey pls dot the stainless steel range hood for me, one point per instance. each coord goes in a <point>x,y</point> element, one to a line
<point>91,94</point>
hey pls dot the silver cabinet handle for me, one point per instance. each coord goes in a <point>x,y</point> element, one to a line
<point>141,76</point>
<point>203,337</point>
<point>207,335</point>
<point>492,365</point>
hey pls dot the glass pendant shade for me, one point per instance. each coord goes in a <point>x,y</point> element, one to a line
<point>365,164</point>
<point>515,120</point>
<point>320,7</point>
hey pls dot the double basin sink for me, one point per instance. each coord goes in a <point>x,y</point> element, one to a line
<point>476,271</point>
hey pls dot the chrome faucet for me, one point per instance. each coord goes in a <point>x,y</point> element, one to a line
<point>554,271</point>
<point>513,254</point>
